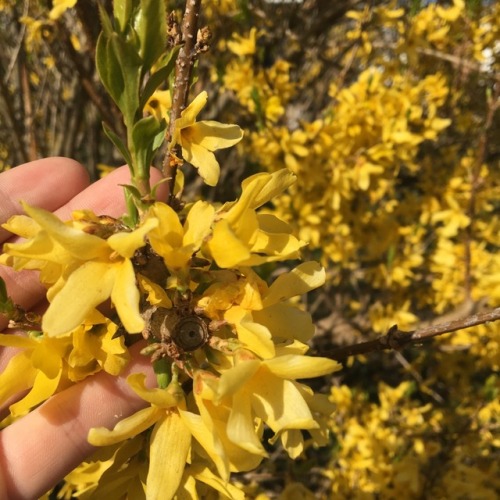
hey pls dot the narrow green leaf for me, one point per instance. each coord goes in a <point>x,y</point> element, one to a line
<point>122,10</point>
<point>131,219</point>
<point>108,68</point>
<point>147,135</point>
<point>151,29</point>
<point>116,140</point>
<point>107,26</point>
<point>162,369</point>
<point>6,304</point>
<point>130,65</point>
<point>161,75</point>
<point>3,291</point>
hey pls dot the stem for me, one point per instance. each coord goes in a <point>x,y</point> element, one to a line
<point>28,108</point>
<point>183,69</point>
<point>397,339</point>
<point>475,183</point>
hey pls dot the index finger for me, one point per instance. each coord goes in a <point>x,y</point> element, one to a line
<point>47,183</point>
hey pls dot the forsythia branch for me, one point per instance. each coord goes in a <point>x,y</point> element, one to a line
<point>183,70</point>
<point>398,339</point>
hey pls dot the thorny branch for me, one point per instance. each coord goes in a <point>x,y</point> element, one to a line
<point>183,69</point>
<point>398,339</point>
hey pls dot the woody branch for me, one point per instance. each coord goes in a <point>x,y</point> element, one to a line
<point>398,339</point>
<point>183,69</point>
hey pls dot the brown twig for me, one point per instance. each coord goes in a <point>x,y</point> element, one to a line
<point>27,107</point>
<point>16,132</point>
<point>398,339</point>
<point>107,109</point>
<point>475,184</point>
<point>183,69</point>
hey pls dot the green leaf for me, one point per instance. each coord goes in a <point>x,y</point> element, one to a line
<point>151,28</point>
<point>147,136</point>
<point>161,75</point>
<point>6,304</point>
<point>122,10</point>
<point>3,291</point>
<point>116,140</point>
<point>163,375</point>
<point>119,68</point>
<point>108,67</point>
<point>130,66</point>
<point>132,198</point>
<point>107,26</point>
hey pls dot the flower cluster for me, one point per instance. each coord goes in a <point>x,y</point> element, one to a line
<point>184,282</point>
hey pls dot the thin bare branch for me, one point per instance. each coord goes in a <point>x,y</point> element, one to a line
<point>183,69</point>
<point>475,183</point>
<point>27,107</point>
<point>398,339</point>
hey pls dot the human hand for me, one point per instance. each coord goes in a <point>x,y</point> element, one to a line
<point>39,449</point>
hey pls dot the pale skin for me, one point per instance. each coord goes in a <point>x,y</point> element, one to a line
<point>38,450</point>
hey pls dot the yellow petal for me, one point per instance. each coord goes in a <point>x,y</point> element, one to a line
<point>205,475</point>
<point>17,341</point>
<point>293,442</point>
<point>240,426</point>
<point>169,233</point>
<point>294,367</point>
<point>11,383</point>
<point>80,244</point>
<point>155,396</point>
<point>156,295</point>
<point>170,443</point>
<point>225,247</point>
<point>43,388</point>
<point>127,243</point>
<point>126,428</point>
<point>204,160</point>
<point>59,7</point>
<point>22,226</point>
<point>209,441</point>
<point>198,224</point>
<point>304,278</point>
<point>86,288</point>
<point>271,185</point>
<point>213,135</point>
<point>284,245</point>
<point>280,404</point>
<point>286,322</point>
<point>125,297</point>
<point>188,116</point>
<point>47,357</point>
<point>235,378</point>
<point>254,336</point>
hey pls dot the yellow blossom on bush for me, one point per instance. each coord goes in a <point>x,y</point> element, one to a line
<point>198,140</point>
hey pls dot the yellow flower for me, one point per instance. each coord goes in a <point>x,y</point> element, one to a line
<point>243,46</point>
<point>60,7</point>
<point>83,269</point>
<point>233,407</point>
<point>175,242</point>
<point>241,237</point>
<point>46,363</point>
<point>159,104</point>
<point>170,439</point>
<point>198,140</point>
<point>259,314</point>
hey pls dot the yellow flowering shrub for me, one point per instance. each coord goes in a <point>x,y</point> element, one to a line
<point>367,144</point>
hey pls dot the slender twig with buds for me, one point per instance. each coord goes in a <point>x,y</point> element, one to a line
<point>183,69</point>
<point>398,339</point>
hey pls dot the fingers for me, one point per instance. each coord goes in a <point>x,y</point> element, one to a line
<point>47,183</point>
<point>42,447</point>
<point>103,197</point>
